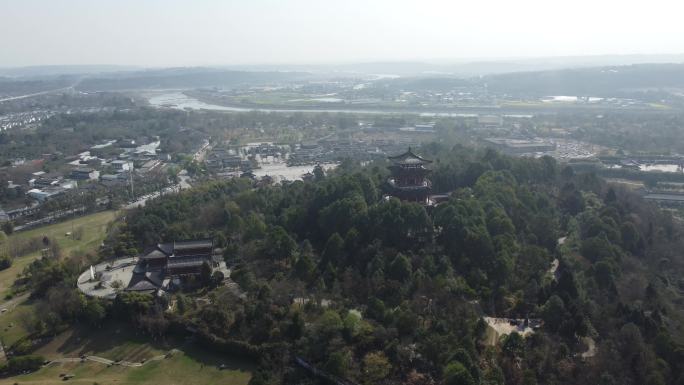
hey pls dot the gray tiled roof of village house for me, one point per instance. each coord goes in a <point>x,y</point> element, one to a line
<point>186,263</point>
<point>142,285</point>
<point>155,277</point>
<point>200,243</point>
<point>166,248</point>
<point>155,254</point>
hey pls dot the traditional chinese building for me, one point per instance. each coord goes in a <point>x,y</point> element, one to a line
<point>180,257</point>
<point>409,177</point>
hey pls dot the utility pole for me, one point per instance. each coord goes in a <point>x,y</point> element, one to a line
<point>130,177</point>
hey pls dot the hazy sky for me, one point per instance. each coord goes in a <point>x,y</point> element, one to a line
<point>213,32</point>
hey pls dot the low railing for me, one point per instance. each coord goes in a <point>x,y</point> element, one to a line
<point>322,374</point>
<point>425,184</point>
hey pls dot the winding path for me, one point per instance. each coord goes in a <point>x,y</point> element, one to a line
<point>591,348</point>
<point>9,305</point>
<point>107,361</point>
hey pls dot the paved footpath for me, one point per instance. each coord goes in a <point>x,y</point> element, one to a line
<point>12,303</point>
<point>106,361</point>
<point>3,356</point>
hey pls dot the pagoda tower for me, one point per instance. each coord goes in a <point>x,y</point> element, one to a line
<point>409,177</point>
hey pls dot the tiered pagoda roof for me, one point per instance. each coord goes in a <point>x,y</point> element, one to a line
<point>409,158</point>
<point>408,180</point>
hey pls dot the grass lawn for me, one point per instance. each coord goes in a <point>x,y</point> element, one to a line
<point>94,229</point>
<point>8,276</point>
<point>11,325</point>
<point>93,225</point>
<point>187,365</point>
<point>180,369</point>
<point>113,341</point>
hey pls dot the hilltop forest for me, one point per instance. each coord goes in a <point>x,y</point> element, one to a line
<point>375,290</point>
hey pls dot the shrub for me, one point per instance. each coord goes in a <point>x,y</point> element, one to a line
<point>5,262</point>
<point>22,363</point>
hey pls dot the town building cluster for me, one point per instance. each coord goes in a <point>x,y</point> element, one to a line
<point>108,164</point>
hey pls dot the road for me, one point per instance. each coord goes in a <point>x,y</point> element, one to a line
<point>140,202</point>
<point>182,185</point>
<point>51,217</point>
<point>202,152</point>
<point>35,94</point>
<point>71,87</point>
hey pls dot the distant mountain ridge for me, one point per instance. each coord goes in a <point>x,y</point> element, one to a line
<point>60,70</point>
<point>184,78</point>
<point>600,81</point>
<point>471,67</point>
<point>454,67</point>
<point>609,81</point>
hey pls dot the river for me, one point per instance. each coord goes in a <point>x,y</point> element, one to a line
<point>178,100</point>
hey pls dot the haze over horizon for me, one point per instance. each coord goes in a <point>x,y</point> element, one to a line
<point>211,32</point>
